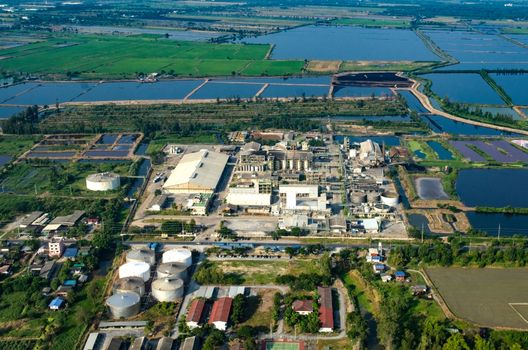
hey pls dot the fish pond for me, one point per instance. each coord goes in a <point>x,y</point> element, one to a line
<point>455,86</point>
<point>322,42</point>
<point>515,85</point>
<point>493,187</point>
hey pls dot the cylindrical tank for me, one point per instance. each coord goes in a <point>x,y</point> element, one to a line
<point>103,182</point>
<point>125,304</point>
<point>173,269</point>
<point>381,208</point>
<point>130,284</point>
<point>178,255</point>
<point>167,289</point>
<point>135,269</point>
<point>141,255</point>
<point>372,196</point>
<point>390,198</point>
<point>358,197</point>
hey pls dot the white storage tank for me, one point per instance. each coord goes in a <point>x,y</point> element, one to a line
<point>167,289</point>
<point>172,269</point>
<point>390,198</point>
<point>135,269</point>
<point>125,304</point>
<point>141,255</point>
<point>178,255</point>
<point>130,284</point>
<point>103,182</point>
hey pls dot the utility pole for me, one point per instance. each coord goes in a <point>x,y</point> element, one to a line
<point>422,232</point>
<point>498,232</point>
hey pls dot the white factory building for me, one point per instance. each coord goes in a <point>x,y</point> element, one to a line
<point>250,193</point>
<point>302,198</point>
<point>198,172</point>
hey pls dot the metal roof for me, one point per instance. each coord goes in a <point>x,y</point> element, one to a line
<point>199,170</point>
<point>56,303</point>
<point>326,311</point>
<point>221,310</point>
<point>196,310</point>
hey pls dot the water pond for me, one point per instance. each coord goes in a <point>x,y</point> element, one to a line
<point>509,224</point>
<point>515,85</point>
<point>442,152</point>
<point>430,188</point>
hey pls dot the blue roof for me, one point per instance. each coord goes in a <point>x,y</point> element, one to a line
<point>57,302</point>
<point>379,266</point>
<point>70,252</point>
<point>399,274</point>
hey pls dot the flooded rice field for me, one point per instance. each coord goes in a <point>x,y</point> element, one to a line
<point>320,42</point>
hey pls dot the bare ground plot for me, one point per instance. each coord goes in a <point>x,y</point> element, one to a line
<point>487,297</point>
<point>323,66</point>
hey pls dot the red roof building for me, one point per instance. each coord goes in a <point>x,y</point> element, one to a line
<point>220,313</point>
<point>303,307</point>
<point>326,309</point>
<point>195,313</point>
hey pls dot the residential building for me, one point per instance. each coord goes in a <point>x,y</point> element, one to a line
<point>303,307</point>
<point>56,248</point>
<point>400,276</point>
<point>56,303</point>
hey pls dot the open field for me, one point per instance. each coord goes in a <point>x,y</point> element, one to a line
<point>404,66</point>
<point>487,297</point>
<point>15,145</point>
<point>98,57</point>
<point>265,272</point>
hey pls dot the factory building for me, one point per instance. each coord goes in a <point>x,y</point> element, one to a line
<point>253,158</point>
<point>251,192</point>
<point>302,198</point>
<point>369,153</point>
<point>198,172</point>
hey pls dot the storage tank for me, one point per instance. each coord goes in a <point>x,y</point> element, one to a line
<point>129,284</point>
<point>358,197</point>
<point>135,269</point>
<point>178,255</point>
<point>124,304</point>
<point>390,198</point>
<point>372,196</point>
<point>141,255</point>
<point>173,269</point>
<point>103,182</point>
<point>167,289</point>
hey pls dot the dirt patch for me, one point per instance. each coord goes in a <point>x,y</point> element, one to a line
<point>323,66</point>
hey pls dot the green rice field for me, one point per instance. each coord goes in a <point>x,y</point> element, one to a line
<point>98,57</point>
<point>488,297</point>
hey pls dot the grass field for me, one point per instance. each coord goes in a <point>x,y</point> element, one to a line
<point>374,22</point>
<point>12,145</point>
<point>265,272</point>
<point>487,297</point>
<point>98,57</point>
<point>157,144</point>
<point>58,178</point>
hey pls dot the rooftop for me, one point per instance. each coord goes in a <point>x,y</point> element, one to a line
<point>221,310</point>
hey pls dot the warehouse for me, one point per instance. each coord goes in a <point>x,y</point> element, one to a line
<point>198,172</point>
<point>220,313</point>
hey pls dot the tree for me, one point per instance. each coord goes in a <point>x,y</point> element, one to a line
<point>456,342</point>
<point>214,339</point>
<point>239,305</point>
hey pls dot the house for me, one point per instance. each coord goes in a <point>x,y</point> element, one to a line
<point>64,290</point>
<point>48,270</point>
<point>400,276</point>
<point>303,307</point>
<point>70,253</point>
<point>378,268</point>
<point>93,221</point>
<point>419,289</point>
<point>386,278</point>
<point>195,314</point>
<point>220,313</point>
<point>56,303</point>
<point>326,309</point>
<point>5,269</point>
